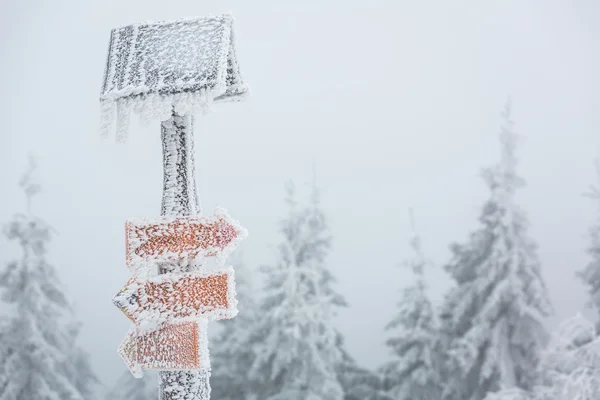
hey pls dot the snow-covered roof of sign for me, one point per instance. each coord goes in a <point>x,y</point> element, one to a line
<point>155,68</point>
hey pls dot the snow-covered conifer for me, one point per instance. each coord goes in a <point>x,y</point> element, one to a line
<point>413,372</point>
<point>569,367</point>
<point>232,351</point>
<point>37,351</point>
<point>80,368</point>
<point>296,344</point>
<point>359,383</point>
<point>591,273</point>
<point>495,313</point>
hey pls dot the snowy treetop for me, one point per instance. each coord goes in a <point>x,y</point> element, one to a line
<point>154,68</point>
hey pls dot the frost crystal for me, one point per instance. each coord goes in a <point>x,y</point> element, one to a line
<point>180,239</point>
<point>162,299</point>
<point>181,346</point>
<point>156,68</point>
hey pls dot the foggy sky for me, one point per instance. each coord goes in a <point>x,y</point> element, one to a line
<point>397,102</point>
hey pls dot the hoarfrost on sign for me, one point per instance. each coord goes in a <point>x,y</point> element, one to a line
<point>181,239</point>
<point>156,68</point>
<point>175,347</point>
<point>176,297</point>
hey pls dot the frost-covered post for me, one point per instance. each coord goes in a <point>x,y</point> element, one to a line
<point>167,71</point>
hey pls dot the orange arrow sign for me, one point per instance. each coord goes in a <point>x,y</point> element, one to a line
<point>186,296</point>
<point>172,347</point>
<point>175,239</point>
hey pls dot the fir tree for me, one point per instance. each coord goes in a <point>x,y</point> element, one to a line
<point>591,273</point>
<point>130,388</point>
<point>37,350</point>
<point>296,344</point>
<point>495,314</point>
<point>358,382</point>
<point>569,367</point>
<point>80,369</point>
<point>413,373</point>
<point>232,351</point>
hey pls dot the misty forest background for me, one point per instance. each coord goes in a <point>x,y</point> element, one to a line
<point>413,233</point>
<point>488,337</point>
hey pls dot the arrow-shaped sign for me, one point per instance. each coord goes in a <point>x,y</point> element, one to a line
<point>170,297</point>
<point>172,347</point>
<point>177,239</point>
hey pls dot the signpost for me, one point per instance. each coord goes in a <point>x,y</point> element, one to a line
<point>175,239</point>
<point>167,71</point>
<point>209,294</point>
<point>177,346</point>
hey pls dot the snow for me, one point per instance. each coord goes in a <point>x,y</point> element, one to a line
<point>155,68</point>
<point>569,367</point>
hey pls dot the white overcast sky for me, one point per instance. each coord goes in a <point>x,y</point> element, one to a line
<point>397,102</point>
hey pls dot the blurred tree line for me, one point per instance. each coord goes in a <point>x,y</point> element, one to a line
<point>486,340</point>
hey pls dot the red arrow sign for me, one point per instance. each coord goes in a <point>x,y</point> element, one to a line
<point>176,239</point>
<point>187,296</point>
<point>173,347</point>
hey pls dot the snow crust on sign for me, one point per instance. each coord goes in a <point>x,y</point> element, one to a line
<point>151,241</point>
<point>155,68</point>
<point>175,347</point>
<point>177,297</point>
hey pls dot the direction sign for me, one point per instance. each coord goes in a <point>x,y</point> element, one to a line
<point>177,239</point>
<point>182,296</point>
<point>178,347</point>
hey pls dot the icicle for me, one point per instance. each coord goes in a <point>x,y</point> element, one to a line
<point>123,116</point>
<point>107,117</point>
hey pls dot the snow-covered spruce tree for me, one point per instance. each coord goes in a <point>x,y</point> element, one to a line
<point>358,382</point>
<point>80,368</point>
<point>232,351</point>
<point>569,367</point>
<point>495,313</point>
<point>591,273</point>
<point>295,341</point>
<point>413,372</point>
<point>130,388</point>
<point>37,350</point>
